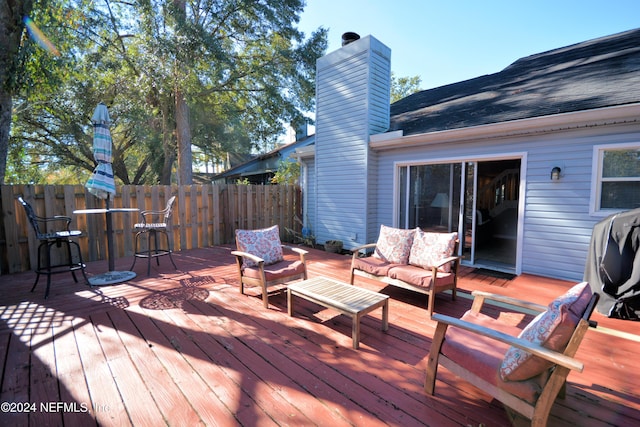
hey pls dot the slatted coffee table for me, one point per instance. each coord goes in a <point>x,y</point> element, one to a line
<point>347,299</point>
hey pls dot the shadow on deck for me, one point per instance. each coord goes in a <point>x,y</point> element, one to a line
<point>185,348</point>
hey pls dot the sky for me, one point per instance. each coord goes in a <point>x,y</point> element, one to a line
<point>448,41</point>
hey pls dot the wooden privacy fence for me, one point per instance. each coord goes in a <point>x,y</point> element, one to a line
<point>203,215</point>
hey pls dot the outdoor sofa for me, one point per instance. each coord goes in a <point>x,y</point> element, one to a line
<point>413,259</point>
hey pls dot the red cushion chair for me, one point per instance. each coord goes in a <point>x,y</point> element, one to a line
<point>261,262</point>
<point>524,369</point>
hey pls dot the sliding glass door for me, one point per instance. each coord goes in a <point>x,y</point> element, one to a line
<point>477,199</point>
<point>430,197</point>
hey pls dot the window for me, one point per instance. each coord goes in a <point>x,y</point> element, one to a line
<point>618,177</point>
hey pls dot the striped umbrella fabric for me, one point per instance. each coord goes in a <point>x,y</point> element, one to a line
<point>101,183</point>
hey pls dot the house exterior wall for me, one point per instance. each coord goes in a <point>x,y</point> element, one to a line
<point>353,101</point>
<point>556,219</point>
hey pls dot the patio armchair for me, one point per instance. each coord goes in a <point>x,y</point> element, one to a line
<point>525,369</point>
<point>154,223</point>
<point>59,237</point>
<point>261,262</point>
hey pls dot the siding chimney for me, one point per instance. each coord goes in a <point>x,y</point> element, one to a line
<point>353,100</point>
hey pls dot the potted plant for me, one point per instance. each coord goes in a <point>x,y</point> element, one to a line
<point>334,246</point>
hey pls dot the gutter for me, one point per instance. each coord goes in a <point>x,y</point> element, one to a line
<point>580,119</point>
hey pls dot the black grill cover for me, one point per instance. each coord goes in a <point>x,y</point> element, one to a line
<point>613,265</point>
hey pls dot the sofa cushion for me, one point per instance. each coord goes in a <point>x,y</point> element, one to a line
<point>418,276</point>
<point>485,354</point>
<point>279,270</point>
<point>430,248</point>
<point>551,329</point>
<point>394,244</point>
<point>372,265</point>
<point>264,243</point>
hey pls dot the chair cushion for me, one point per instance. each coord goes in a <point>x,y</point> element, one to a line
<point>264,243</point>
<point>551,329</point>
<point>483,355</point>
<point>60,235</point>
<point>394,244</point>
<point>372,265</point>
<point>150,225</point>
<point>418,276</point>
<point>279,270</point>
<point>430,248</point>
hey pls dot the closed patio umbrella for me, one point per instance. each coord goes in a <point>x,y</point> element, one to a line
<point>101,184</point>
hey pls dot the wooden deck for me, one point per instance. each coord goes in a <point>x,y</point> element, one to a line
<point>186,348</point>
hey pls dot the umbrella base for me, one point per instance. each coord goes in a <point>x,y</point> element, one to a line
<point>111,277</point>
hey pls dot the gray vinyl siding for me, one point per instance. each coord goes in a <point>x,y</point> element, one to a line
<point>556,223</point>
<point>378,122</point>
<point>351,104</point>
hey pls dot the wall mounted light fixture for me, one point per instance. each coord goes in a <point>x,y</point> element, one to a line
<point>555,173</point>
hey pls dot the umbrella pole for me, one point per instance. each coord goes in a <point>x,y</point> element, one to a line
<point>110,254</point>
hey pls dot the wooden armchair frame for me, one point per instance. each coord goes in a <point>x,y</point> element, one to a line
<point>269,275</point>
<point>563,363</point>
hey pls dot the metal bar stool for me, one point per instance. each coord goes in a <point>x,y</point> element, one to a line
<point>57,239</point>
<point>150,229</point>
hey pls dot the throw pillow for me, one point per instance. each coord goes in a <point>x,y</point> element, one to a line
<point>264,243</point>
<point>551,329</point>
<point>394,244</point>
<point>430,248</point>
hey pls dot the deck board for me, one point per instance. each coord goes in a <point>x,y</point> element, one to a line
<point>186,348</point>
<point>168,400</point>
<point>106,402</point>
<point>15,380</point>
<point>140,405</point>
<point>263,360</point>
<point>43,386</point>
<point>169,346</point>
<point>71,378</point>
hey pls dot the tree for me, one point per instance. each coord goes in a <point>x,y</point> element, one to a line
<point>33,70</point>
<point>53,108</point>
<point>12,55</point>
<point>288,172</point>
<point>222,75</point>
<point>402,87</point>
<point>241,60</point>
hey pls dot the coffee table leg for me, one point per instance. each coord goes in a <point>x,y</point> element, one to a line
<point>355,330</point>
<point>385,315</point>
<point>289,302</point>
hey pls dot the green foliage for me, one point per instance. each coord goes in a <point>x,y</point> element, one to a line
<point>243,68</point>
<point>288,172</point>
<point>401,87</point>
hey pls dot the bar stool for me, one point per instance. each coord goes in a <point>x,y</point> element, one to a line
<point>50,239</point>
<point>150,229</point>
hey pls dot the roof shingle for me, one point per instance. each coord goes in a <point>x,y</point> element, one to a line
<point>593,74</point>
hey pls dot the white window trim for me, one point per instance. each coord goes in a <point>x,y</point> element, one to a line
<point>596,176</point>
